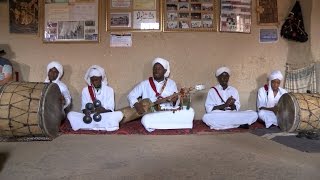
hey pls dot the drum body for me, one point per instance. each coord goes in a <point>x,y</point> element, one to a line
<point>298,112</point>
<point>29,109</point>
<point>130,114</point>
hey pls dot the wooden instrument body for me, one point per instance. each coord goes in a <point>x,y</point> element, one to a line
<point>130,114</point>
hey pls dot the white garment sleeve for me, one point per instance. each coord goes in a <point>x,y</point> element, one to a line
<point>135,94</point>
<point>109,100</point>
<point>262,98</point>
<point>85,98</point>
<point>235,95</point>
<point>212,100</point>
<point>66,94</point>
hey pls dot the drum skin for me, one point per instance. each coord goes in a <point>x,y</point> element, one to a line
<point>30,109</point>
<point>298,112</point>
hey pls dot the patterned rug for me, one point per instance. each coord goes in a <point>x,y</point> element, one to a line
<point>135,127</point>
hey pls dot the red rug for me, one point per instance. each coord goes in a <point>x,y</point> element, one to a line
<point>135,127</point>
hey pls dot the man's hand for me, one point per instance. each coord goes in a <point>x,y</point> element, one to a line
<point>230,102</point>
<point>63,101</point>
<point>173,99</point>
<point>102,110</point>
<point>275,109</point>
<point>139,108</point>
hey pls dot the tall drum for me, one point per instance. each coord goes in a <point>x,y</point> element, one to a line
<point>29,109</point>
<point>299,111</point>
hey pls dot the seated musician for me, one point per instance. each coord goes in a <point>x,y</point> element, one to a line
<point>5,69</point>
<point>97,89</point>
<point>268,97</point>
<point>223,105</point>
<point>54,74</point>
<point>155,88</point>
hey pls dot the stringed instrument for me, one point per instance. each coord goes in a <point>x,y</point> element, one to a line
<point>130,114</point>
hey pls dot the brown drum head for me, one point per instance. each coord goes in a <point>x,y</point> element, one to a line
<point>51,110</point>
<point>288,109</point>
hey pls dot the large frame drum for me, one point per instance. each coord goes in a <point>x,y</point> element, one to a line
<point>299,111</point>
<point>29,109</point>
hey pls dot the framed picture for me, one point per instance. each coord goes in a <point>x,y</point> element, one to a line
<point>71,21</point>
<point>235,16</point>
<point>267,12</point>
<point>120,19</point>
<point>133,15</point>
<point>24,16</point>
<point>189,15</point>
<point>268,35</point>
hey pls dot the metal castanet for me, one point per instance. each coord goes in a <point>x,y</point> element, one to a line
<point>30,109</point>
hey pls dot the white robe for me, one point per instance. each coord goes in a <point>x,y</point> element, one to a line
<point>110,120</point>
<point>65,93</point>
<point>218,119</point>
<point>268,116</point>
<point>180,119</point>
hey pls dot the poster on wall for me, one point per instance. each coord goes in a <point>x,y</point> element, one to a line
<point>235,16</point>
<point>193,15</point>
<point>133,15</point>
<point>23,16</point>
<point>267,12</point>
<point>120,39</point>
<point>71,22</point>
<point>268,35</point>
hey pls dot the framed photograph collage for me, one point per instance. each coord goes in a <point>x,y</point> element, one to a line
<point>71,21</point>
<point>189,15</point>
<point>78,20</point>
<point>235,16</point>
<point>133,15</point>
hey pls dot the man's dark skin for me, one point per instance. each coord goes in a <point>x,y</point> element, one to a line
<point>158,74</point>
<point>53,75</point>
<point>223,80</point>
<point>275,88</point>
<point>96,82</point>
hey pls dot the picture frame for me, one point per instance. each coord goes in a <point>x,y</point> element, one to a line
<point>24,16</point>
<point>189,15</point>
<point>268,35</point>
<point>133,15</point>
<point>71,21</point>
<point>267,12</point>
<point>235,16</point>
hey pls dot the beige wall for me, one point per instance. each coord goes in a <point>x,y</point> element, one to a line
<point>193,57</point>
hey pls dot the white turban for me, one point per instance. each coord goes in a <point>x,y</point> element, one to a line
<point>95,70</point>
<point>164,63</point>
<point>275,75</point>
<point>222,70</point>
<point>271,100</point>
<point>58,66</point>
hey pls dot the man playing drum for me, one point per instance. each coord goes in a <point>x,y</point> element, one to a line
<point>223,104</point>
<point>268,97</point>
<point>96,91</point>
<point>5,69</point>
<point>157,87</point>
<point>54,74</point>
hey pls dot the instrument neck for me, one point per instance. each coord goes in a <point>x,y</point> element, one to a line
<point>163,100</point>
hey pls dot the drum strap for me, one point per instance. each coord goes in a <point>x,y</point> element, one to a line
<point>266,88</point>
<point>93,97</point>
<point>153,86</point>
<point>218,94</point>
